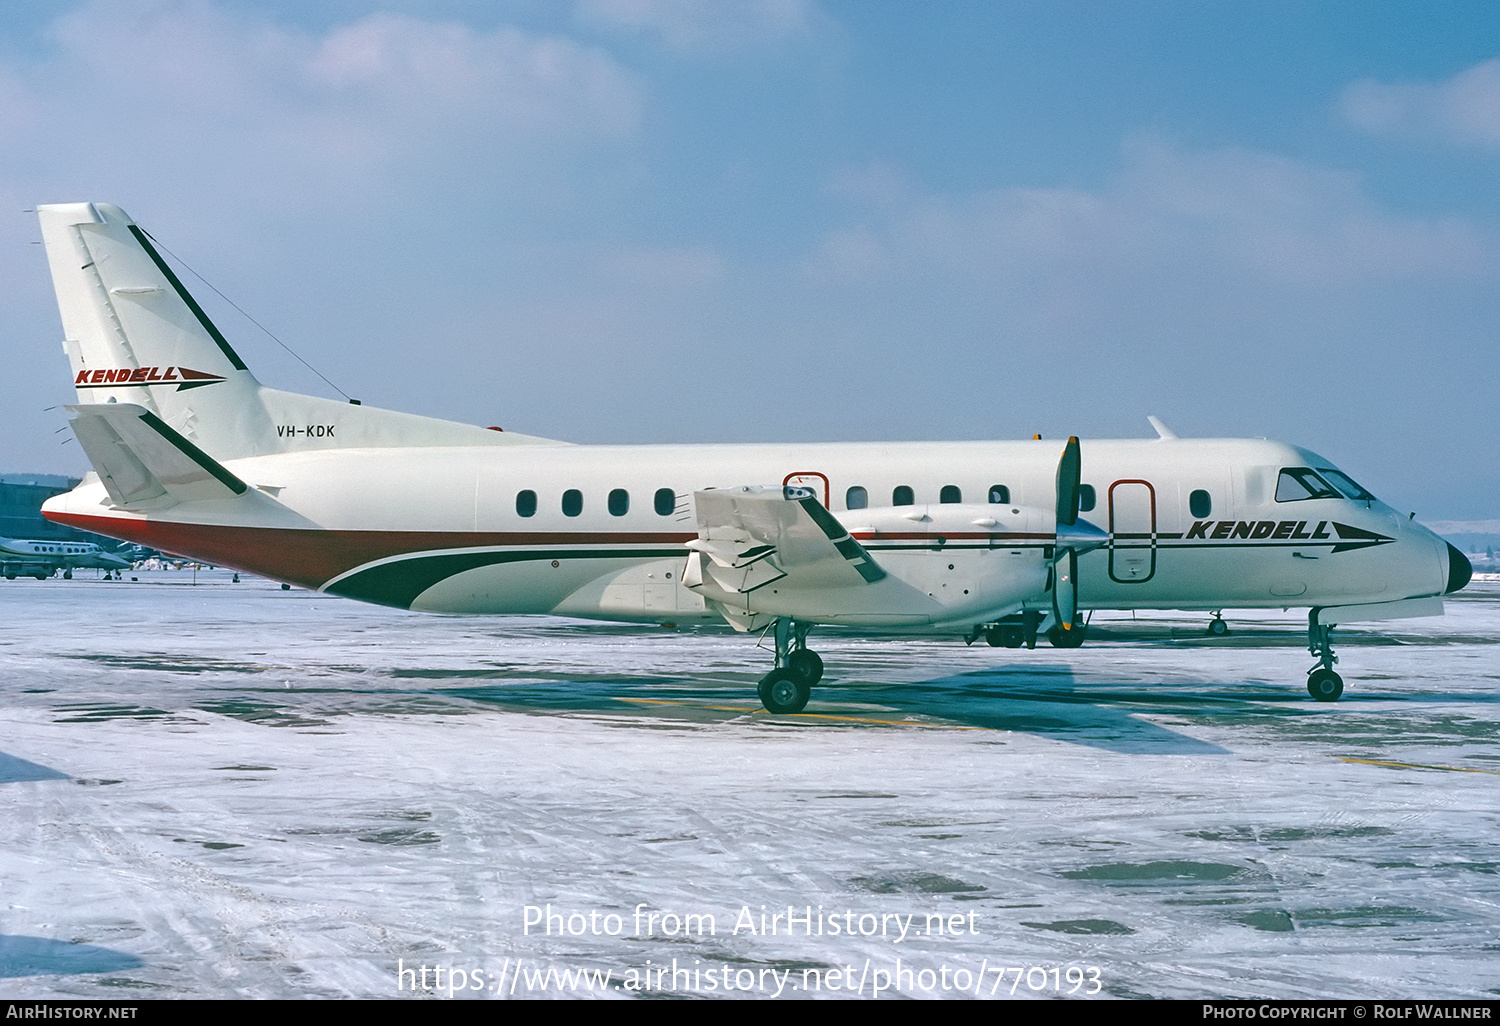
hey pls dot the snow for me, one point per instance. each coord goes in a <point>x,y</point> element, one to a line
<point>230,790</point>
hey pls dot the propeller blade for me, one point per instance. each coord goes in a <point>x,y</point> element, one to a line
<point>1069,469</point>
<point>1065,590</point>
<point>1074,537</point>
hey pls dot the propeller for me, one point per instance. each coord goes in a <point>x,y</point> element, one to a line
<point>1074,537</point>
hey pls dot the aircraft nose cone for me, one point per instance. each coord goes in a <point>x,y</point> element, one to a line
<point>1459,570</point>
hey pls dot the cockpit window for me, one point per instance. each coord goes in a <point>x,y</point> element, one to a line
<point>1346,484</point>
<point>1298,483</point>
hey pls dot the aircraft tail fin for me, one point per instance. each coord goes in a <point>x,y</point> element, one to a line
<point>135,335</point>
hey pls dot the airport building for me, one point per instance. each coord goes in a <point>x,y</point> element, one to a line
<point>21,498</point>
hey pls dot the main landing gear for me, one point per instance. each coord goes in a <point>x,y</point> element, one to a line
<point>787,688</point>
<point>1322,683</point>
<point>1021,629</point>
<point>1217,628</point>
<point>1011,632</point>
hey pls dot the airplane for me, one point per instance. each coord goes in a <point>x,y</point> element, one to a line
<point>20,557</point>
<point>192,455</point>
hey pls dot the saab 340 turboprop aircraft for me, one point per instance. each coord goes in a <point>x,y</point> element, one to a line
<point>193,456</point>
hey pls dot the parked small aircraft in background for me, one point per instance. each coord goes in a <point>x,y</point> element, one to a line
<point>192,455</point>
<point>43,558</point>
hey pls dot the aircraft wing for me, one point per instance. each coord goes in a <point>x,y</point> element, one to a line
<point>142,461</point>
<point>751,537</point>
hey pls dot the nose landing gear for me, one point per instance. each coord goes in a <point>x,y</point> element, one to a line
<point>1322,683</point>
<point>787,688</point>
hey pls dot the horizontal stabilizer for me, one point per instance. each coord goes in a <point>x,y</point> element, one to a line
<point>144,463</point>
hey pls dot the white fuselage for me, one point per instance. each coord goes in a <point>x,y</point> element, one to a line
<point>449,529</point>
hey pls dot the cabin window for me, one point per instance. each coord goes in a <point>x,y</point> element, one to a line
<point>526,503</point>
<point>999,494</point>
<point>950,493</point>
<point>1298,483</point>
<point>572,502</point>
<point>856,498</point>
<point>1087,500</point>
<point>902,496</point>
<point>1200,503</point>
<point>665,501</point>
<point>619,502</point>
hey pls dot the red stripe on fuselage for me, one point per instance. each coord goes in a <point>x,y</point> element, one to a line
<point>997,536</point>
<point>312,558</point>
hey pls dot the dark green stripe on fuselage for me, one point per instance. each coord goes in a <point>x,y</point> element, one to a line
<point>399,582</point>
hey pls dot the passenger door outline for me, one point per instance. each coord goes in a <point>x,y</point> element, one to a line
<point>1132,531</point>
<point>809,479</point>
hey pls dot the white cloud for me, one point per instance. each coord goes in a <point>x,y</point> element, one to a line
<point>504,78</point>
<point>1172,214</point>
<point>1463,110</point>
<point>703,26</point>
<point>135,96</point>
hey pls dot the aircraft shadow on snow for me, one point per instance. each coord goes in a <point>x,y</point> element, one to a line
<point>1044,700</point>
<point>40,956</point>
<point>14,771</point>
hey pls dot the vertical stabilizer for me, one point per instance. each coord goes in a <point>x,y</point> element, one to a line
<point>133,333</point>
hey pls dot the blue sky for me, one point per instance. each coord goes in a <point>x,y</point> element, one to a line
<point>701,220</point>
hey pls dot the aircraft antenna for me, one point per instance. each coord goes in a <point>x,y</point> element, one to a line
<point>247,317</point>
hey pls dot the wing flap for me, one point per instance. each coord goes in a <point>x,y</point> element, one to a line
<point>750,537</point>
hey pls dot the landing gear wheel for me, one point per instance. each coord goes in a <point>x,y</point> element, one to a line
<point>1066,639</point>
<point>1325,685</point>
<point>1217,628</point>
<point>806,664</point>
<point>783,691</point>
<point>67,575</point>
<point>1005,635</point>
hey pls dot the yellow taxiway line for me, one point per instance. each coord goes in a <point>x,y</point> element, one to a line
<point>809,716</point>
<point>1418,765</point>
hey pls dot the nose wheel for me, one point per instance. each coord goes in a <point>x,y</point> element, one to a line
<point>1325,685</point>
<point>1322,683</point>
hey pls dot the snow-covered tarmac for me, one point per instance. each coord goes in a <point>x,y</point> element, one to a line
<point>229,790</point>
